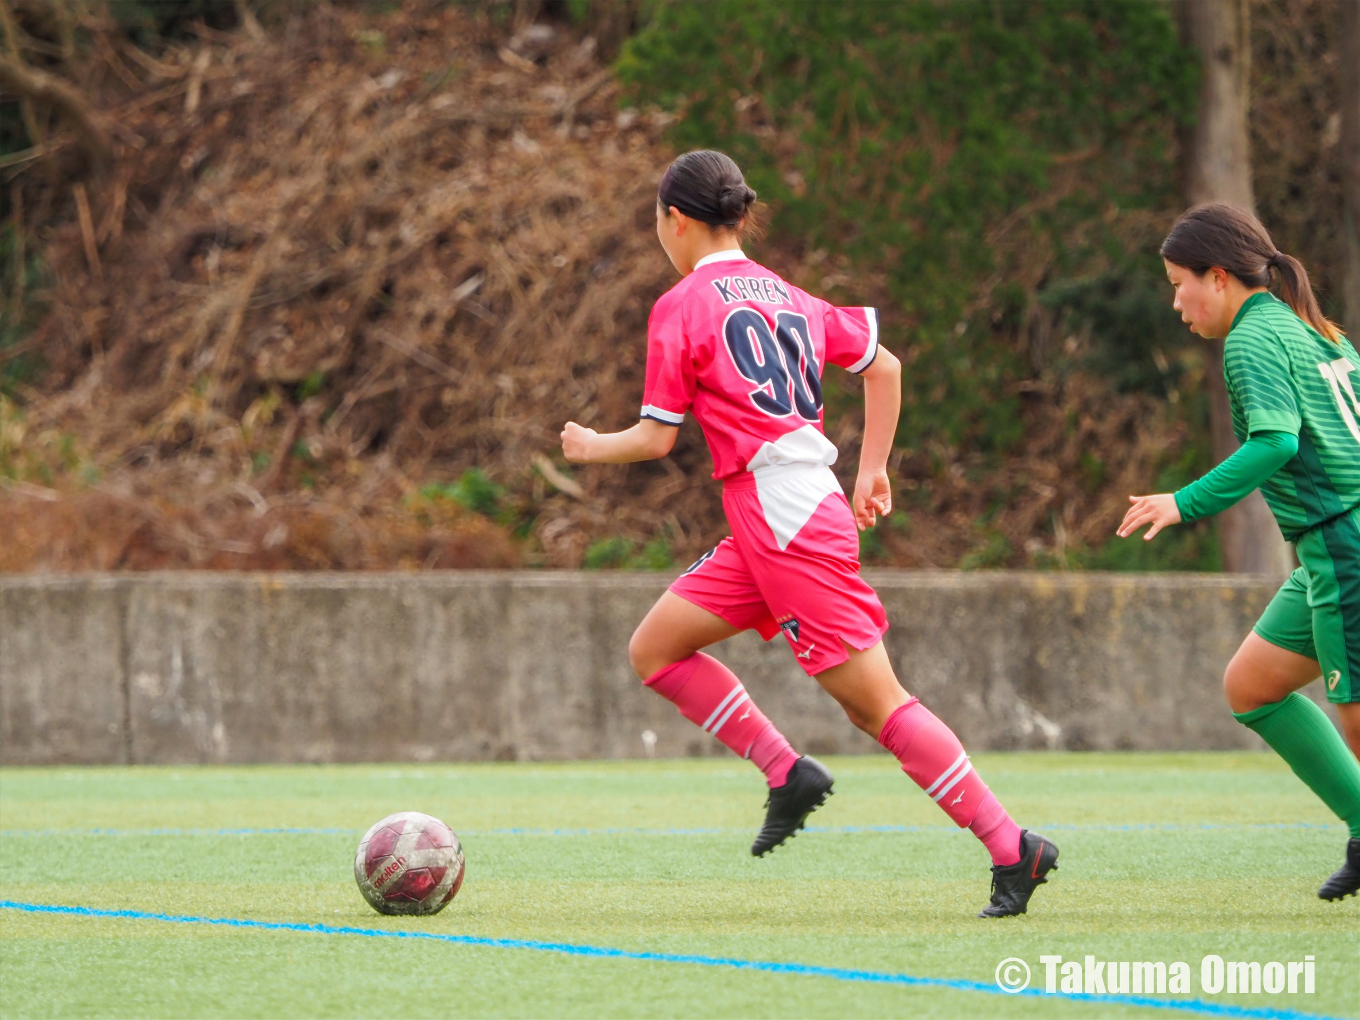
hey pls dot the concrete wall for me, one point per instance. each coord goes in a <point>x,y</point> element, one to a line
<point>193,667</point>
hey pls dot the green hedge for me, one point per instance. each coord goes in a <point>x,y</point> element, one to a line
<point>901,136</point>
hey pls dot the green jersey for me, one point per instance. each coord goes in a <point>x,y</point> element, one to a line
<point>1283,376</point>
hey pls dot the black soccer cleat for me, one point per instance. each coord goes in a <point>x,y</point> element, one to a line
<point>1014,884</point>
<point>1345,882</point>
<point>786,809</point>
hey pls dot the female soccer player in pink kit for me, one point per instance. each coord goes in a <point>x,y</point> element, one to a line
<point>744,351</point>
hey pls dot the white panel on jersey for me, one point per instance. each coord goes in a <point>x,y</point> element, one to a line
<point>802,446</point>
<point>793,476</point>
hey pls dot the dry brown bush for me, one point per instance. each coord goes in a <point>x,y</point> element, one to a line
<point>361,253</point>
<point>338,263</point>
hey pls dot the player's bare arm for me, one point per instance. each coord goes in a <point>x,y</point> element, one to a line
<point>882,405</point>
<point>647,440</point>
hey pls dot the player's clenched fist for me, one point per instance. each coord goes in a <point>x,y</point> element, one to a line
<point>576,440</point>
<point>872,497</point>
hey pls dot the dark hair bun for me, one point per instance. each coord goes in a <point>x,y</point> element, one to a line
<point>707,186</point>
<point>734,200</point>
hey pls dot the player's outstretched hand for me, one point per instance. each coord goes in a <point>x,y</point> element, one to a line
<point>872,496</point>
<point>576,442</point>
<point>1160,511</point>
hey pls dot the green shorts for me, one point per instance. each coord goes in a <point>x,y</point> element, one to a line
<point>1317,611</point>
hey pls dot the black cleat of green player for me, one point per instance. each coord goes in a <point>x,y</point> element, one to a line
<point>1014,884</point>
<point>1346,882</point>
<point>804,791</point>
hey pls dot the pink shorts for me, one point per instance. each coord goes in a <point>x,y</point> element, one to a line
<point>790,564</point>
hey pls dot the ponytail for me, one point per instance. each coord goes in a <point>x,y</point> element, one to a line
<point>1297,293</point>
<point>1231,239</point>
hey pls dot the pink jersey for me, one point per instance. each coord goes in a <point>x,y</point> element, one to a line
<point>744,350</point>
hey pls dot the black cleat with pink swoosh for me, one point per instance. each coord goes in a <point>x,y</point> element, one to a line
<point>805,790</point>
<point>1014,884</point>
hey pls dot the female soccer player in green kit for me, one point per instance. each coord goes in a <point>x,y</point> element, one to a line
<point>1294,389</point>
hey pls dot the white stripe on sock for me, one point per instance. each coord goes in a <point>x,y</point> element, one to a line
<point>946,773</point>
<point>953,782</point>
<point>721,705</point>
<point>728,714</point>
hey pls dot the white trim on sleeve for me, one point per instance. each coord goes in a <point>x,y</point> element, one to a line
<point>665,417</point>
<point>871,314</point>
<point>730,255</point>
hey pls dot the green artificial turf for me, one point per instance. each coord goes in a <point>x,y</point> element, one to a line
<point>1164,857</point>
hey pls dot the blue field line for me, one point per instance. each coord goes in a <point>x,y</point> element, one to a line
<point>731,963</point>
<point>707,831</point>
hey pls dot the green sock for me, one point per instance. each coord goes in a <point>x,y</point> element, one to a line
<point>1302,735</point>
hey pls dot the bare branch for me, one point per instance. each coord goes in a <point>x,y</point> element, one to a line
<point>87,231</point>
<point>199,69</point>
<point>26,111</point>
<point>16,203</point>
<point>248,20</point>
<point>41,87</point>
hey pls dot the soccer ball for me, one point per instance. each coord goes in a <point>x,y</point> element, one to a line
<point>409,863</point>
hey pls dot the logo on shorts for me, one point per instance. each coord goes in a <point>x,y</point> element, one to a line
<point>790,627</point>
<point>1333,678</point>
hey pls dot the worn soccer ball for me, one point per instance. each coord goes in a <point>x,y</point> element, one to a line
<point>409,863</point>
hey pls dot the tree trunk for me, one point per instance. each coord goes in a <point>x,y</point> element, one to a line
<point>1350,161</point>
<point>1216,167</point>
<point>1217,160</point>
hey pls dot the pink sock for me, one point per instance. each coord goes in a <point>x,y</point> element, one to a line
<point>709,695</point>
<point>935,760</point>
